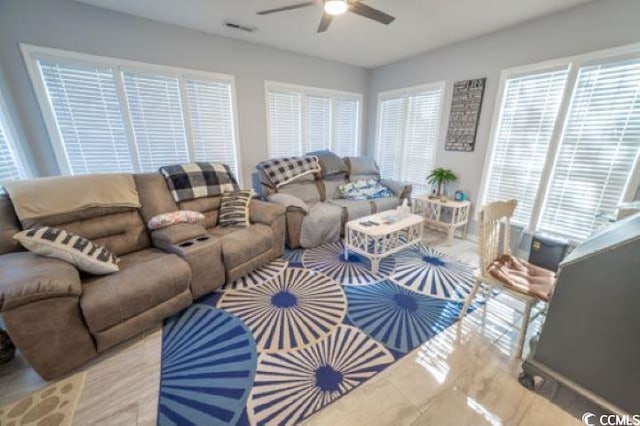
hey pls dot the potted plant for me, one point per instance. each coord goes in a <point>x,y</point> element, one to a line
<point>440,176</point>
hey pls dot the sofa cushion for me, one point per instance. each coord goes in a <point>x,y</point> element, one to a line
<point>330,163</point>
<point>154,195</point>
<point>240,245</point>
<point>355,208</point>
<point>523,277</point>
<point>362,168</point>
<point>332,186</point>
<point>60,244</point>
<point>383,204</point>
<point>209,207</point>
<point>306,190</point>
<point>122,229</point>
<point>146,279</point>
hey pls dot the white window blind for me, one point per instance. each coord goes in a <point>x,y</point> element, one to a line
<point>528,114</point>
<point>346,135</point>
<point>598,150</point>
<point>317,113</point>
<point>85,104</point>
<point>10,165</point>
<point>421,138</point>
<point>408,136</point>
<point>285,124</point>
<point>156,118</point>
<point>306,119</point>
<point>211,110</point>
<point>112,115</point>
<point>391,136</point>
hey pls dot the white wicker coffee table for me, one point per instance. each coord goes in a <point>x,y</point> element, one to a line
<point>379,241</point>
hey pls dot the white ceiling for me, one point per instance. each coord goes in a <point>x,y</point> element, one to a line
<point>420,25</point>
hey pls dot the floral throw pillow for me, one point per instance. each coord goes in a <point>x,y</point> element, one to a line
<point>181,216</point>
<point>364,189</point>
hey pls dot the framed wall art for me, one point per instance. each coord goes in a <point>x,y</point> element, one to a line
<point>465,113</point>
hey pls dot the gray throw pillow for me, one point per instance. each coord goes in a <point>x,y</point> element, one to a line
<point>363,166</point>
<point>330,163</point>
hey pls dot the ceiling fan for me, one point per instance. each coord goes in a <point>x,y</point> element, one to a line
<point>337,7</point>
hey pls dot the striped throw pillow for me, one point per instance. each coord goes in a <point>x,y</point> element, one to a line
<point>60,244</point>
<point>234,208</point>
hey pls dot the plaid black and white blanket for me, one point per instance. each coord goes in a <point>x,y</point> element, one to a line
<point>197,180</point>
<point>283,170</point>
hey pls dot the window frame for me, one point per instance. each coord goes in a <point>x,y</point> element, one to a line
<point>16,145</point>
<point>32,54</point>
<point>314,91</point>
<point>407,92</point>
<point>573,63</point>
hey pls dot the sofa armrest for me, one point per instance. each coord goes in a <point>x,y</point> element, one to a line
<point>40,304</point>
<point>200,250</point>
<point>400,189</point>
<point>175,234</point>
<point>290,202</point>
<point>265,213</point>
<point>27,277</point>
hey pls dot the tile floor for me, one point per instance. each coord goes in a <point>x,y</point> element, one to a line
<point>465,375</point>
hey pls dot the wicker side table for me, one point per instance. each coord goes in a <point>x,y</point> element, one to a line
<point>444,215</point>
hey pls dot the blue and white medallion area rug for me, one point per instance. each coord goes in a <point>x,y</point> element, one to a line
<point>280,344</point>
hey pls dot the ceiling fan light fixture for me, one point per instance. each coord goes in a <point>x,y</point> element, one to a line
<point>335,7</point>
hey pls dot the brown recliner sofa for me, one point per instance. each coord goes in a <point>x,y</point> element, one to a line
<point>242,249</point>
<point>59,318</point>
<point>309,190</point>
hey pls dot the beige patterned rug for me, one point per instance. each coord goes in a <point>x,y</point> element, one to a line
<point>54,405</point>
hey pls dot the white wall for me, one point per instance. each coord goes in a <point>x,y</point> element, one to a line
<point>65,24</point>
<point>594,26</point>
<point>69,25</point>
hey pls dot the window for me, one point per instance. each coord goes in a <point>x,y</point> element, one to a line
<point>598,150</point>
<point>285,124</point>
<point>84,101</point>
<point>156,119</point>
<point>346,127</point>
<point>212,121</point>
<point>303,119</point>
<point>573,156</point>
<point>407,137</point>
<point>110,115</point>
<point>529,109</point>
<point>11,168</point>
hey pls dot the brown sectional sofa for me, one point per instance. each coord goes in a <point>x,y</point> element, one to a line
<point>60,318</point>
<point>309,190</point>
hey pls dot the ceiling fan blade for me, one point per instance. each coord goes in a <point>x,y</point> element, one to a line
<point>369,12</point>
<point>290,7</point>
<point>325,22</point>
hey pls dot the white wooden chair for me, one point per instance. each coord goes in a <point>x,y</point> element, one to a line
<point>494,221</point>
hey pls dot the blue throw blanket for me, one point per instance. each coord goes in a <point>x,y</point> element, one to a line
<point>364,189</point>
